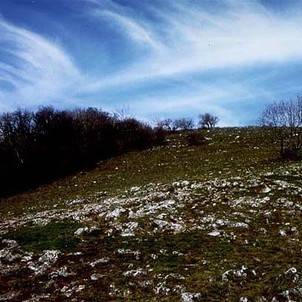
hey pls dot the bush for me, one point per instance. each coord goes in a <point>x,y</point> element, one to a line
<point>292,154</point>
<point>160,135</point>
<point>196,139</point>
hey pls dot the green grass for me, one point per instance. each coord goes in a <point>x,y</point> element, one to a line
<point>230,152</point>
<point>248,153</point>
<point>54,235</point>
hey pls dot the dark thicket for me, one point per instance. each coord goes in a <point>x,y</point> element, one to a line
<point>36,147</point>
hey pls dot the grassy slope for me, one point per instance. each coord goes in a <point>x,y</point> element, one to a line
<point>231,152</point>
<point>162,265</point>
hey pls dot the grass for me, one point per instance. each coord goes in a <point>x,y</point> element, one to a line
<point>230,152</point>
<point>52,236</point>
<point>191,260</point>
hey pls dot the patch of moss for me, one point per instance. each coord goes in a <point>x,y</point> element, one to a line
<point>54,235</point>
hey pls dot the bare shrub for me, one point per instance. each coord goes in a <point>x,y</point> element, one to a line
<point>183,124</point>
<point>285,118</point>
<point>166,124</point>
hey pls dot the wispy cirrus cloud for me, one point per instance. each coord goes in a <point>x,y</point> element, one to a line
<point>134,30</point>
<point>166,57</point>
<point>33,70</point>
<point>189,38</point>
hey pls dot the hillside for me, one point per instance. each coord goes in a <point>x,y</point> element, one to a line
<point>217,222</point>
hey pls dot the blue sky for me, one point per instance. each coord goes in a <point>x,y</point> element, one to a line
<point>152,59</point>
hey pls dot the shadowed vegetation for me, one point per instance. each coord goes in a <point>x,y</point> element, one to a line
<point>36,147</point>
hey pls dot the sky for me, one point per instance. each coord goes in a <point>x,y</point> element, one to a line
<point>152,59</point>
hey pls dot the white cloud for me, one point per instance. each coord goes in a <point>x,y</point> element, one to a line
<point>135,31</point>
<point>192,102</point>
<point>191,39</point>
<point>171,40</point>
<point>35,70</point>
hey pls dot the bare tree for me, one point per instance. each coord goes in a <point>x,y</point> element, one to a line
<point>166,124</point>
<point>16,132</point>
<point>208,120</point>
<point>122,114</point>
<point>183,124</point>
<point>285,118</point>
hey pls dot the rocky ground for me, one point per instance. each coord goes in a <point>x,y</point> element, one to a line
<point>222,239</point>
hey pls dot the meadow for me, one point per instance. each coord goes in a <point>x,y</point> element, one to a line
<point>219,221</point>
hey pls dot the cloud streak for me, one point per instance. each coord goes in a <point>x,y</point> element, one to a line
<point>158,56</point>
<point>189,39</point>
<point>33,69</point>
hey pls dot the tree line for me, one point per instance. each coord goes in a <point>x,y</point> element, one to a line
<point>39,146</point>
<point>205,121</point>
